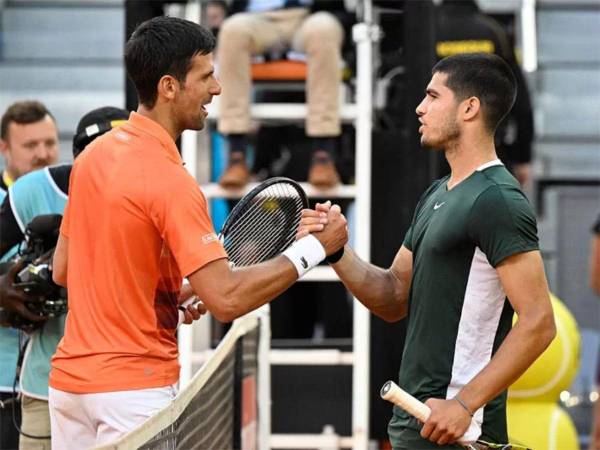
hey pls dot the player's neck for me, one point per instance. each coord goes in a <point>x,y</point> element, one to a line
<point>163,117</point>
<point>466,154</point>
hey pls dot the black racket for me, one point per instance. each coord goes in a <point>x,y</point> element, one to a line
<point>262,224</point>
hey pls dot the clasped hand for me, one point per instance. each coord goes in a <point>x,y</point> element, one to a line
<point>327,223</point>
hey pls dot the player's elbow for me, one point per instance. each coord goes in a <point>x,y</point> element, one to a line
<point>390,316</point>
<point>224,313</point>
<point>228,307</point>
<point>392,313</point>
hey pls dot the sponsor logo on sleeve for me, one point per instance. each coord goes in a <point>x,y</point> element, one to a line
<point>208,238</point>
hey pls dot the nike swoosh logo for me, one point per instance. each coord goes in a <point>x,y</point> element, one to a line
<point>438,206</point>
<point>303,262</point>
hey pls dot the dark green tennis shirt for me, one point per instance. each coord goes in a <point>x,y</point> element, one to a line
<point>458,312</point>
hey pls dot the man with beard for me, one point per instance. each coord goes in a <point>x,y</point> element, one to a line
<point>469,259</point>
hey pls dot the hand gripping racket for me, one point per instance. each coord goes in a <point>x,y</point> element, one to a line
<point>399,397</point>
<point>262,224</point>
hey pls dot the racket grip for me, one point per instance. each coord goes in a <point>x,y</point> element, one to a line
<point>182,308</point>
<point>398,396</point>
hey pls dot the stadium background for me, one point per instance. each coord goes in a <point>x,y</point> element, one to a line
<point>49,52</point>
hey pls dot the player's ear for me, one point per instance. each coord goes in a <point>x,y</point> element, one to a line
<point>3,147</point>
<point>167,87</point>
<point>470,108</point>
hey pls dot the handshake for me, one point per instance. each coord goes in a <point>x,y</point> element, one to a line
<point>328,225</point>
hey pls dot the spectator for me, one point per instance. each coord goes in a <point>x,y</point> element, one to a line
<point>463,28</point>
<point>277,25</point>
<point>28,141</point>
<point>44,192</point>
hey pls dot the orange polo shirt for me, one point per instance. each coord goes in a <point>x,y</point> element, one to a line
<point>136,222</point>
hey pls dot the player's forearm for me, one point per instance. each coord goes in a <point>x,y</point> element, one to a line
<point>248,288</point>
<point>376,288</point>
<point>524,344</point>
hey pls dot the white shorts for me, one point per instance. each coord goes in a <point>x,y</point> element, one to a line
<point>81,421</point>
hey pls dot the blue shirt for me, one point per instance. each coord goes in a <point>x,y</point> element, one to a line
<point>32,195</point>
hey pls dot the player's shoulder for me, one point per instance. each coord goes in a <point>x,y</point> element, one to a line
<point>496,188</point>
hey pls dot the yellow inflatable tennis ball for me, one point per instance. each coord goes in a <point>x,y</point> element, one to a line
<point>540,426</point>
<point>554,370</point>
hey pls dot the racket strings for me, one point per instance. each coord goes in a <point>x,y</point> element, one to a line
<point>261,235</point>
<point>248,229</point>
<point>265,226</point>
<point>263,247</point>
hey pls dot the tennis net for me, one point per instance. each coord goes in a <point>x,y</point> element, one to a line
<point>219,408</point>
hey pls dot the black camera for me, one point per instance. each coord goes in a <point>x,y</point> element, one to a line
<point>47,299</point>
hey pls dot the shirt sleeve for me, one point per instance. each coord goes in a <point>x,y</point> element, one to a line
<point>408,239</point>
<point>181,215</point>
<point>502,224</point>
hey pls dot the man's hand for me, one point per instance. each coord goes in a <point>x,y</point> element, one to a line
<point>335,234</point>
<point>12,299</point>
<point>447,423</point>
<point>313,220</point>
<point>194,308</point>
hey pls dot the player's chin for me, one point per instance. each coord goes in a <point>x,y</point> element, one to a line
<point>426,143</point>
<point>197,124</point>
<point>429,143</point>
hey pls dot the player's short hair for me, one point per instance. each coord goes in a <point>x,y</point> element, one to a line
<point>23,113</point>
<point>485,76</point>
<point>163,46</point>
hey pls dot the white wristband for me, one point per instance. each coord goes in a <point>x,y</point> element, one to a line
<point>305,254</point>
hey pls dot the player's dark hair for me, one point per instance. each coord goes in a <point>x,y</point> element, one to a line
<point>485,76</point>
<point>163,46</point>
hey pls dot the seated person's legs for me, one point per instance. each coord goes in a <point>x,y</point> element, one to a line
<point>321,37</point>
<point>241,36</point>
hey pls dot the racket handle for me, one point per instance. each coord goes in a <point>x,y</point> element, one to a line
<point>398,396</point>
<point>183,306</point>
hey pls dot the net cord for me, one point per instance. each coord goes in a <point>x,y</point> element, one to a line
<point>161,420</point>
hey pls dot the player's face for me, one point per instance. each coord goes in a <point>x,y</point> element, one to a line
<point>438,114</point>
<point>197,91</point>
<point>30,146</point>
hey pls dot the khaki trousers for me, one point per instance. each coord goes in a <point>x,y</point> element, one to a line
<point>319,35</point>
<point>35,422</point>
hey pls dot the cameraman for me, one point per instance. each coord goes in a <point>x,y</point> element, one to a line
<point>28,141</point>
<point>43,192</point>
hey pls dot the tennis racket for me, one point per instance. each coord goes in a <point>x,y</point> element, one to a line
<point>399,397</point>
<point>262,224</point>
